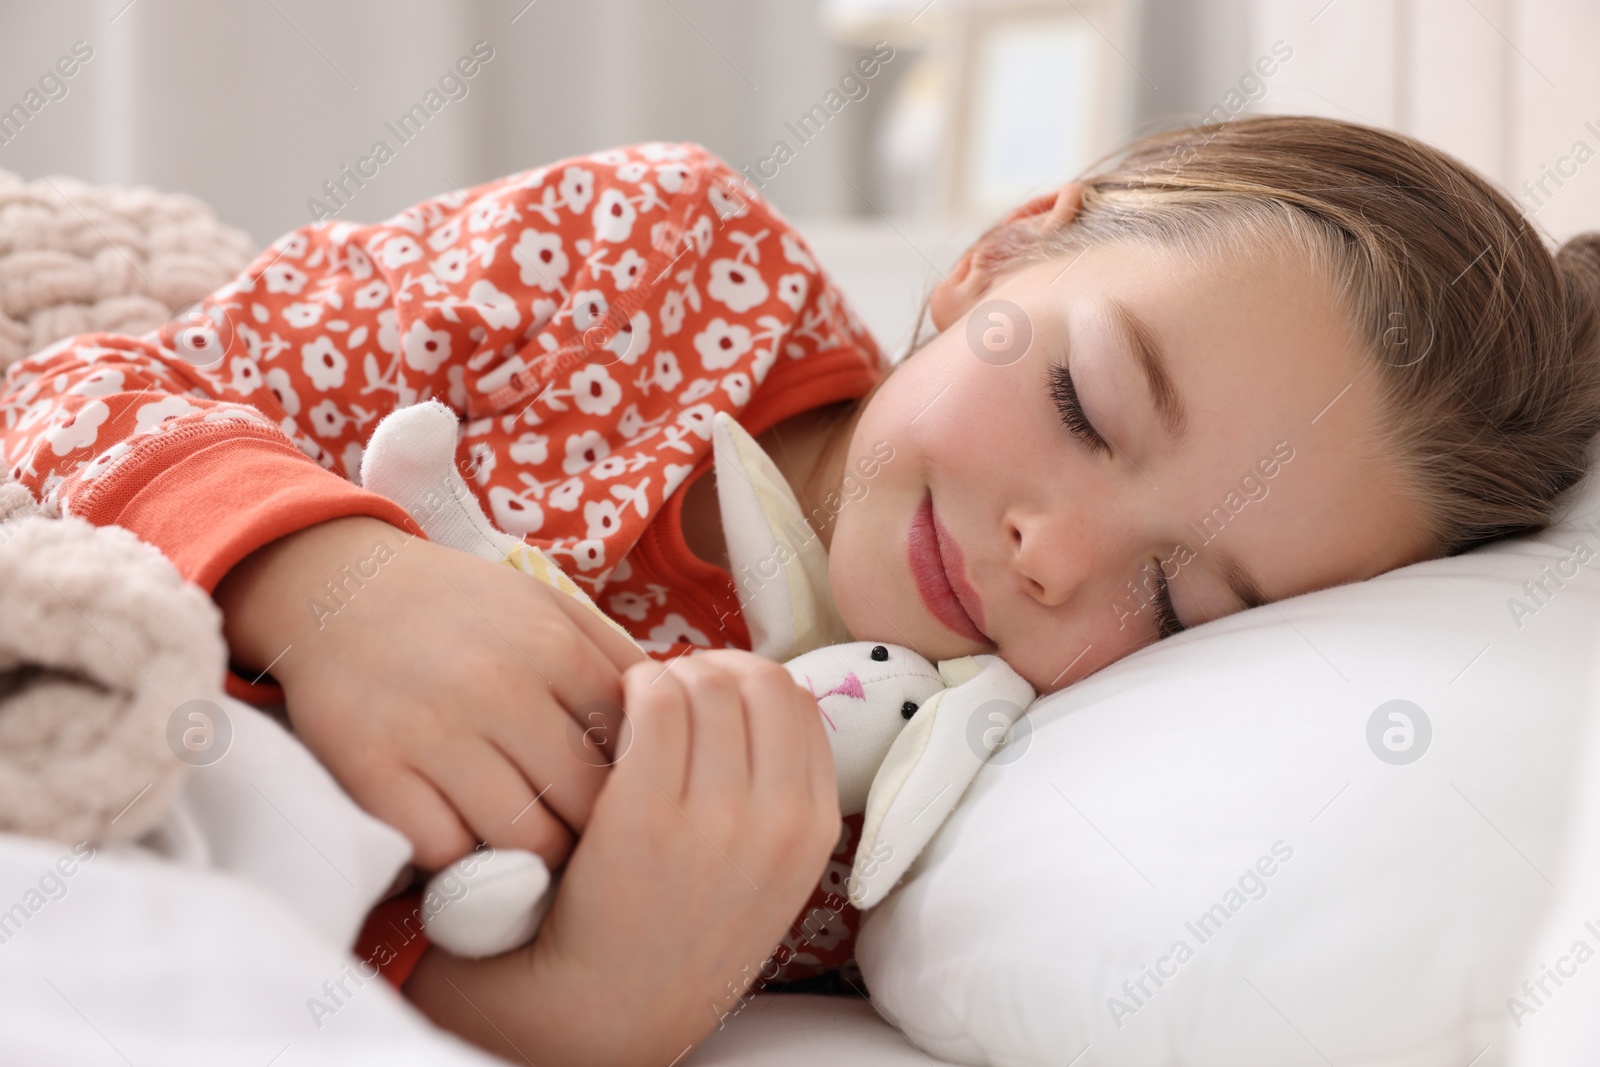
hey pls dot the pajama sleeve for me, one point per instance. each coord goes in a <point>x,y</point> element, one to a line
<point>244,421</point>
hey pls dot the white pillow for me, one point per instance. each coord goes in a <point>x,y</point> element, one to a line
<point>1401,899</point>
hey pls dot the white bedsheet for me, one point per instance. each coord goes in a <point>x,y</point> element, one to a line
<point>224,939</point>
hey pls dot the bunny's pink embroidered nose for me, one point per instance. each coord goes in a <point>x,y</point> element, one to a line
<point>851,687</point>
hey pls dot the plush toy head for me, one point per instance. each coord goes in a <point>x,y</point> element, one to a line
<point>899,726</point>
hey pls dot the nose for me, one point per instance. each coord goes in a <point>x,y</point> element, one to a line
<point>1050,555</point>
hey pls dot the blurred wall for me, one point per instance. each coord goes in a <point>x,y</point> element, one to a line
<point>252,106</point>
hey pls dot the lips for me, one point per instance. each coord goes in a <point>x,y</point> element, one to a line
<point>940,574</point>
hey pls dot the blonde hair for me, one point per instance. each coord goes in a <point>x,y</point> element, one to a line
<point>1485,345</point>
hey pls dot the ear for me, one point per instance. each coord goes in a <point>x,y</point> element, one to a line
<point>971,277</point>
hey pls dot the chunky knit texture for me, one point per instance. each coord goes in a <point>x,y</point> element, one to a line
<point>80,258</point>
<point>101,640</point>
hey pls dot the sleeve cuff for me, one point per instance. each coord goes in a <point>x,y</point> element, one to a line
<point>207,498</point>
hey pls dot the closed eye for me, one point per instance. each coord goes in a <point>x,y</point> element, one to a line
<point>1167,623</point>
<point>1065,396</point>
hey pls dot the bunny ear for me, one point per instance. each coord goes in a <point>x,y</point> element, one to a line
<point>410,459</point>
<point>779,566</point>
<point>929,767</point>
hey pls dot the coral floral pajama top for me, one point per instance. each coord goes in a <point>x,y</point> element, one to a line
<point>585,319</point>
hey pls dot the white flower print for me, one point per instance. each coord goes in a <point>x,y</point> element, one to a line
<point>666,374</point>
<point>541,258</point>
<point>302,315</point>
<point>657,150</point>
<point>626,270</point>
<point>498,309</point>
<point>675,630</point>
<point>374,294</point>
<point>630,605</point>
<point>670,176</point>
<point>444,236</point>
<point>100,383</point>
<point>609,467</point>
<point>594,390</point>
<point>589,306</point>
<point>613,216</point>
<point>77,430</point>
<point>633,422</point>
<point>672,313</point>
<point>698,418</point>
<point>398,251</point>
<point>765,358</point>
<point>152,415</point>
<point>102,463</point>
<point>282,278</point>
<point>603,517</point>
<point>721,344</point>
<point>326,419</point>
<point>323,363</point>
<point>514,514</point>
<point>736,284</point>
<point>584,450</point>
<point>589,554</point>
<point>425,348</point>
<point>292,246</point>
<point>576,188</point>
<point>481,459</point>
<point>737,386</point>
<point>633,340</point>
<point>795,252</point>
<point>282,387</point>
<point>246,375</point>
<point>792,290</point>
<point>389,330</point>
<point>567,495</point>
<point>632,171</point>
<point>357,262</point>
<point>451,267</point>
<point>673,477</point>
<point>698,389</point>
<point>531,449</point>
<point>728,202</point>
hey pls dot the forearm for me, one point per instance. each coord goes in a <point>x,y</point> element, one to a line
<point>519,1007</point>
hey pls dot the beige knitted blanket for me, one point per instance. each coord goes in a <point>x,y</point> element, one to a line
<point>101,641</point>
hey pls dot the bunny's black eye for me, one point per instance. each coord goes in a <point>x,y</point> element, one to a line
<point>880,653</point>
<point>908,709</point>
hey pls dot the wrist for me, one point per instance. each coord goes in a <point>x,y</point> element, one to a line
<point>265,598</point>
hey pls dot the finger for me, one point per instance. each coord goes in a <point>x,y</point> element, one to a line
<point>409,803</point>
<point>621,651</point>
<point>495,800</point>
<point>658,713</point>
<point>784,724</point>
<point>577,670</point>
<point>719,745</point>
<point>557,756</point>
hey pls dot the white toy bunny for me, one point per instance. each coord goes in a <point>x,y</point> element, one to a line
<point>904,742</point>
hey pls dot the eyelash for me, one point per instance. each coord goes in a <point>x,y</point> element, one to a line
<point>1167,623</point>
<point>1065,396</point>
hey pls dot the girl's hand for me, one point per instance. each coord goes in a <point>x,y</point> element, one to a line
<point>439,688</point>
<point>710,835</point>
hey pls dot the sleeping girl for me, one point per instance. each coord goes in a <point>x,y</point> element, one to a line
<point>1115,368</point>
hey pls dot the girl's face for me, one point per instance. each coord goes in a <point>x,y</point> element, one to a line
<point>1001,524</point>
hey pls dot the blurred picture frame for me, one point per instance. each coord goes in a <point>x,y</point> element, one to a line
<point>1039,91</point>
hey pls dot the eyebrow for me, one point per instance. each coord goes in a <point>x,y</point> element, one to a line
<point>1240,582</point>
<point>1164,395</point>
